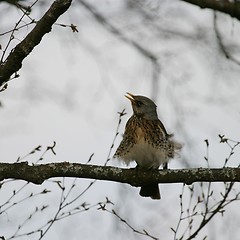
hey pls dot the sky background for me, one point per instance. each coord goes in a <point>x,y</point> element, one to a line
<point>72,86</point>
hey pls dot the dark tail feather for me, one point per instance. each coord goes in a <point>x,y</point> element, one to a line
<point>150,190</point>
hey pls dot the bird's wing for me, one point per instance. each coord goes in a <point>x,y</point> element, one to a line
<point>163,129</point>
<point>154,132</point>
<point>129,138</point>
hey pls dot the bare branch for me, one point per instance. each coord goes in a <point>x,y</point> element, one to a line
<point>14,61</point>
<point>229,7</point>
<point>135,177</point>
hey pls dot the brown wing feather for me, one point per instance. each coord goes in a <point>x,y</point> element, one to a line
<point>129,138</point>
<point>164,129</point>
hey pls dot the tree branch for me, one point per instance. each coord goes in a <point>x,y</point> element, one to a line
<point>14,61</point>
<point>136,177</point>
<point>229,7</point>
<point>101,19</point>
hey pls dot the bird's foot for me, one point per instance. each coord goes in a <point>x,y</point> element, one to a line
<point>165,166</point>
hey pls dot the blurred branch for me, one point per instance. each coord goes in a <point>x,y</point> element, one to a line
<point>135,177</point>
<point>14,61</point>
<point>17,4</point>
<point>220,41</point>
<point>229,7</point>
<point>101,19</point>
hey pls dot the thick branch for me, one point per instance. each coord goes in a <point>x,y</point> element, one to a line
<point>135,177</point>
<point>14,61</point>
<point>229,7</point>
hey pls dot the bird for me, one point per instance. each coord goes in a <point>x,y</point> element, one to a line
<point>146,141</point>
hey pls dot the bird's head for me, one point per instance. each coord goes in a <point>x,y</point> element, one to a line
<point>143,106</point>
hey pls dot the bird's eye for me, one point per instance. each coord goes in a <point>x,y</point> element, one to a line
<point>139,103</point>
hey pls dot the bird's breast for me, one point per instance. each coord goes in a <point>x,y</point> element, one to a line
<point>144,151</point>
<point>140,135</point>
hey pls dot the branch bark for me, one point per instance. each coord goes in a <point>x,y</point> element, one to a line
<point>229,7</point>
<point>14,61</point>
<point>37,174</point>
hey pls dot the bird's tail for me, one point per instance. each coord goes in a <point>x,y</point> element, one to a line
<point>174,147</point>
<point>150,190</point>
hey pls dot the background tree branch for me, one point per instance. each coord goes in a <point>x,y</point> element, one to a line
<point>14,61</point>
<point>135,177</point>
<point>229,7</point>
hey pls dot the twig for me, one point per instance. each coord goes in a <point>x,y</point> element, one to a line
<point>220,41</point>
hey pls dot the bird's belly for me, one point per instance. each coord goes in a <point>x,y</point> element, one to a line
<point>146,155</point>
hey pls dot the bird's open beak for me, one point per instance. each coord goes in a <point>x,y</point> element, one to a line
<point>130,96</point>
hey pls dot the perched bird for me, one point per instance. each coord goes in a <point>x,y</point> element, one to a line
<point>146,141</point>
